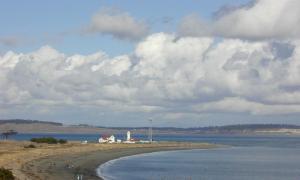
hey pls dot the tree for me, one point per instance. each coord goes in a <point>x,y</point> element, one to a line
<point>9,133</point>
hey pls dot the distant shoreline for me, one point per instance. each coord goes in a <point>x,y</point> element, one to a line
<point>34,126</point>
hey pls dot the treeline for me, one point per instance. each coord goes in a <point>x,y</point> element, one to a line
<point>252,127</point>
<point>238,127</point>
<point>23,121</point>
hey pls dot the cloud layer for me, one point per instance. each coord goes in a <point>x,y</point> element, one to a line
<point>164,74</point>
<point>119,24</point>
<point>260,19</point>
<point>252,69</point>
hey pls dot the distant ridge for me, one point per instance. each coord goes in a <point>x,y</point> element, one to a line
<point>24,121</point>
<point>36,126</point>
<point>225,127</point>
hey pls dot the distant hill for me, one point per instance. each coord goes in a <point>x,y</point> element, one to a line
<point>220,128</point>
<point>245,126</point>
<point>228,129</point>
<point>35,126</point>
<point>24,121</point>
<point>248,128</point>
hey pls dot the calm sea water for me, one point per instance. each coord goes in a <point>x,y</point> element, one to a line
<point>238,163</point>
<point>249,158</point>
<point>269,141</point>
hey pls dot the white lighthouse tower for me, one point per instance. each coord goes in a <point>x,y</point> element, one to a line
<point>128,136</point>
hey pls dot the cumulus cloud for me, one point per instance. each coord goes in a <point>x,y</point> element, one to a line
<point>165,75</point>
<point>240,105</point>
<point>260,19</point>
<point>119,24</point>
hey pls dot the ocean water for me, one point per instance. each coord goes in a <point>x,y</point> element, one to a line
<point>249,158</point>
<point>234,140</point>
<point>237,163</point>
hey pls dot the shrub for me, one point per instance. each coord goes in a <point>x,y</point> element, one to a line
<point>49,140</point>
<point>62,141</point>
<point>30,146</point>
<point>6,174</point>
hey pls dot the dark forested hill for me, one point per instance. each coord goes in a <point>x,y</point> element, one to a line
<point>33,126</point>
<point>23,121</point>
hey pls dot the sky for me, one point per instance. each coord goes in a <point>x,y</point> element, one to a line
<point>120,63</point>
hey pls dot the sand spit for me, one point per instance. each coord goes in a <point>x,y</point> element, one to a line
<point>65,161</point>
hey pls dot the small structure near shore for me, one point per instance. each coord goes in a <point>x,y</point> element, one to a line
<point>128,140</point>
<point>128,135</point>
<point>107,139</point>
<point>6,134</point>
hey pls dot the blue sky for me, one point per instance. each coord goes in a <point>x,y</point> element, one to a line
<point>44,22</point>
<point>118,63</point>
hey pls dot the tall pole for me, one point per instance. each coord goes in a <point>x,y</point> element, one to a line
<point>150,131</point>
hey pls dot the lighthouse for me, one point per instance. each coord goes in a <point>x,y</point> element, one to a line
<point>128,136</point>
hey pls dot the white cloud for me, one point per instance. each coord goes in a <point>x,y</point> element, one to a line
<point>165,74</point>
<point>264,19</point>
<point>119,24</point>
<point>115,66</point>
<point>239,105</point>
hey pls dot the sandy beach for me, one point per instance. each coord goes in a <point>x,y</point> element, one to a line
<point>66,161</point>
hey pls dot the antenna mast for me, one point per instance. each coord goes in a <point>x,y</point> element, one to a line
<point>150,131</point>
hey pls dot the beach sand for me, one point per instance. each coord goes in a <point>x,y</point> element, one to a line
<point>55,162</point>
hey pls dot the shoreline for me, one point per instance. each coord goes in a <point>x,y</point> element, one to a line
<point>68,166</point>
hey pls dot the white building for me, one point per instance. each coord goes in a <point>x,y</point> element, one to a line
<point>129,140</point>
<point>107,139</point>
<point>84,142</point>
<point>128,136</point>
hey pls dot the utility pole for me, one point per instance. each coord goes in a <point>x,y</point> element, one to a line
<point>150,131</point>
